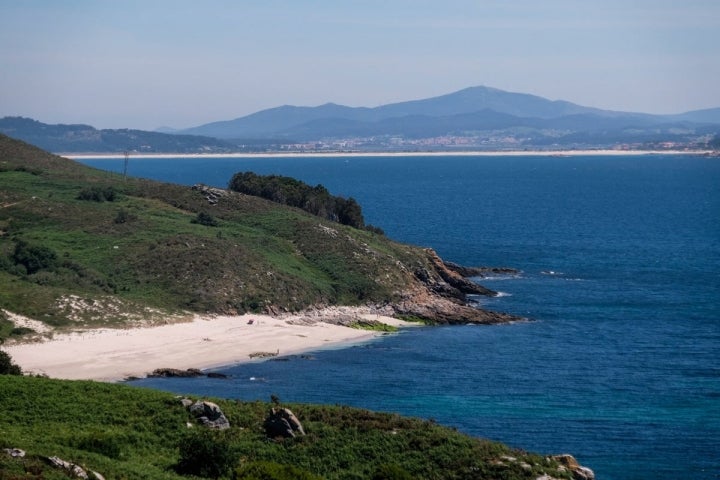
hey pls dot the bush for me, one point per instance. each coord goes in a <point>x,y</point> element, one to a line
<point>391,472</point>
<point>33,257</point>
<point>102,443</point>
<point>97,194</point>
<point>205,219</point>
<point>205,454</point>
<point>272,471</point>
<point>123,216</point>
<point>7,367</point>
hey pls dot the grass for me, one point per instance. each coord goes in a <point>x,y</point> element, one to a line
<point>129,433</point>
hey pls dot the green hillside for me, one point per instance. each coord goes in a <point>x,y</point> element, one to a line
<point>84,247</point>
<point>128,433</point>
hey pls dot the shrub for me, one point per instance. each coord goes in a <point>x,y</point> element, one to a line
<point>33,257</point>
<point>19,331</point>
<point>391,472</point>
<point>205,219</point>
<point>97,194</point>
<point>206,454</point>
<point>123,216</point>
<point>272,471</point>
<point>102,443</point>
<point>7,367</point>
<point>374,229</point>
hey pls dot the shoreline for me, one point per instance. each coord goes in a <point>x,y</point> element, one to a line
<point>206,342</point>
<point>507,153</point>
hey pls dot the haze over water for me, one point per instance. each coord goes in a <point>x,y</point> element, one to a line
<point>620,260</point>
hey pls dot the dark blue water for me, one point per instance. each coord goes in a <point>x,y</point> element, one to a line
<point>621,273</point>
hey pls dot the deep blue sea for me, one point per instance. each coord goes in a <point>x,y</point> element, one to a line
<point>620,261</point>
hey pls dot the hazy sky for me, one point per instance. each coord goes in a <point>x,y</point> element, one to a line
<point>180,63</point>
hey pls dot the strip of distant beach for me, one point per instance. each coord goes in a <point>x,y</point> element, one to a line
<point>508,153</point>
<point>205,343</point>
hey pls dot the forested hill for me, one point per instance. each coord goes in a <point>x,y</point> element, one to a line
<point>83,246</point>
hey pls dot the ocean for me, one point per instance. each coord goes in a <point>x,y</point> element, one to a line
<point>620,278</point>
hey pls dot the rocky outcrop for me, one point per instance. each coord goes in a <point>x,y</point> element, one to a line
<point>282,423</point>
<point>174,372</point>
<point>74,470</point>
<point>441,297</point>
<point>439,310</point>
<point>211,194</point>
<point>15,452</point>
<point>209,415</point>
<point>447,282</point>
<point>578,472</point>
<point>480,272</point>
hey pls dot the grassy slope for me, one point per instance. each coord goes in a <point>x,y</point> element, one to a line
<point>261,254</point>
<point>129,433</point>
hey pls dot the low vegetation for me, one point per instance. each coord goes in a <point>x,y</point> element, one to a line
<point>128,433</point>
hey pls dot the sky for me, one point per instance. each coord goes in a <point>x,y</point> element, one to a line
<point>180,63</point>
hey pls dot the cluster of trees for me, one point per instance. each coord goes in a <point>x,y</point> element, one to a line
<point>289,191</point>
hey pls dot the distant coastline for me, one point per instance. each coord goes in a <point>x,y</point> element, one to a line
<point>502,153</point>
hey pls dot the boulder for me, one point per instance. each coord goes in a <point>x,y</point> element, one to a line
<point>209,415</point>
<point>15,452</point>
<point>578,471</point>
<point>73,469</point>
<point>282,422</point>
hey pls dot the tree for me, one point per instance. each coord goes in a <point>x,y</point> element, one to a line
<point>289,191</point>
<point>7,367</point>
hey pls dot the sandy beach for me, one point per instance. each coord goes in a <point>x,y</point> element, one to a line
<point>506,153</point>
<point>206,342</point>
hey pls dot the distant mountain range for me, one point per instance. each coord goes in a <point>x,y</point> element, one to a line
<point>473,118</point>
<point>463,113</point>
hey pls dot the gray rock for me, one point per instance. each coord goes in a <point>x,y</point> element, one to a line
<point>209,415</point>
<point>282,422</point>
<point>15,452</point>
<point>578,471</point>
<point>73,469</point>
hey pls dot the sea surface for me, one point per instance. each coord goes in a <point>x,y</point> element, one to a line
<point>620,261</point>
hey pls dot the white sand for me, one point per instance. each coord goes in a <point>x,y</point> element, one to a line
<point>506,153</point>
<point>115,354</point>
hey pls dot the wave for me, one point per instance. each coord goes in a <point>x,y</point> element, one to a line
<point>516,276</point>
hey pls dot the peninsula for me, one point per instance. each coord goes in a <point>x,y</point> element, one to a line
<point>96,268</point>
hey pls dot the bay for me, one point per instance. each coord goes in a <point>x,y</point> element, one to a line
<point>620,261</point>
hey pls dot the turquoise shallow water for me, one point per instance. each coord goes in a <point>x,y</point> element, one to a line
<point>620,260</point>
